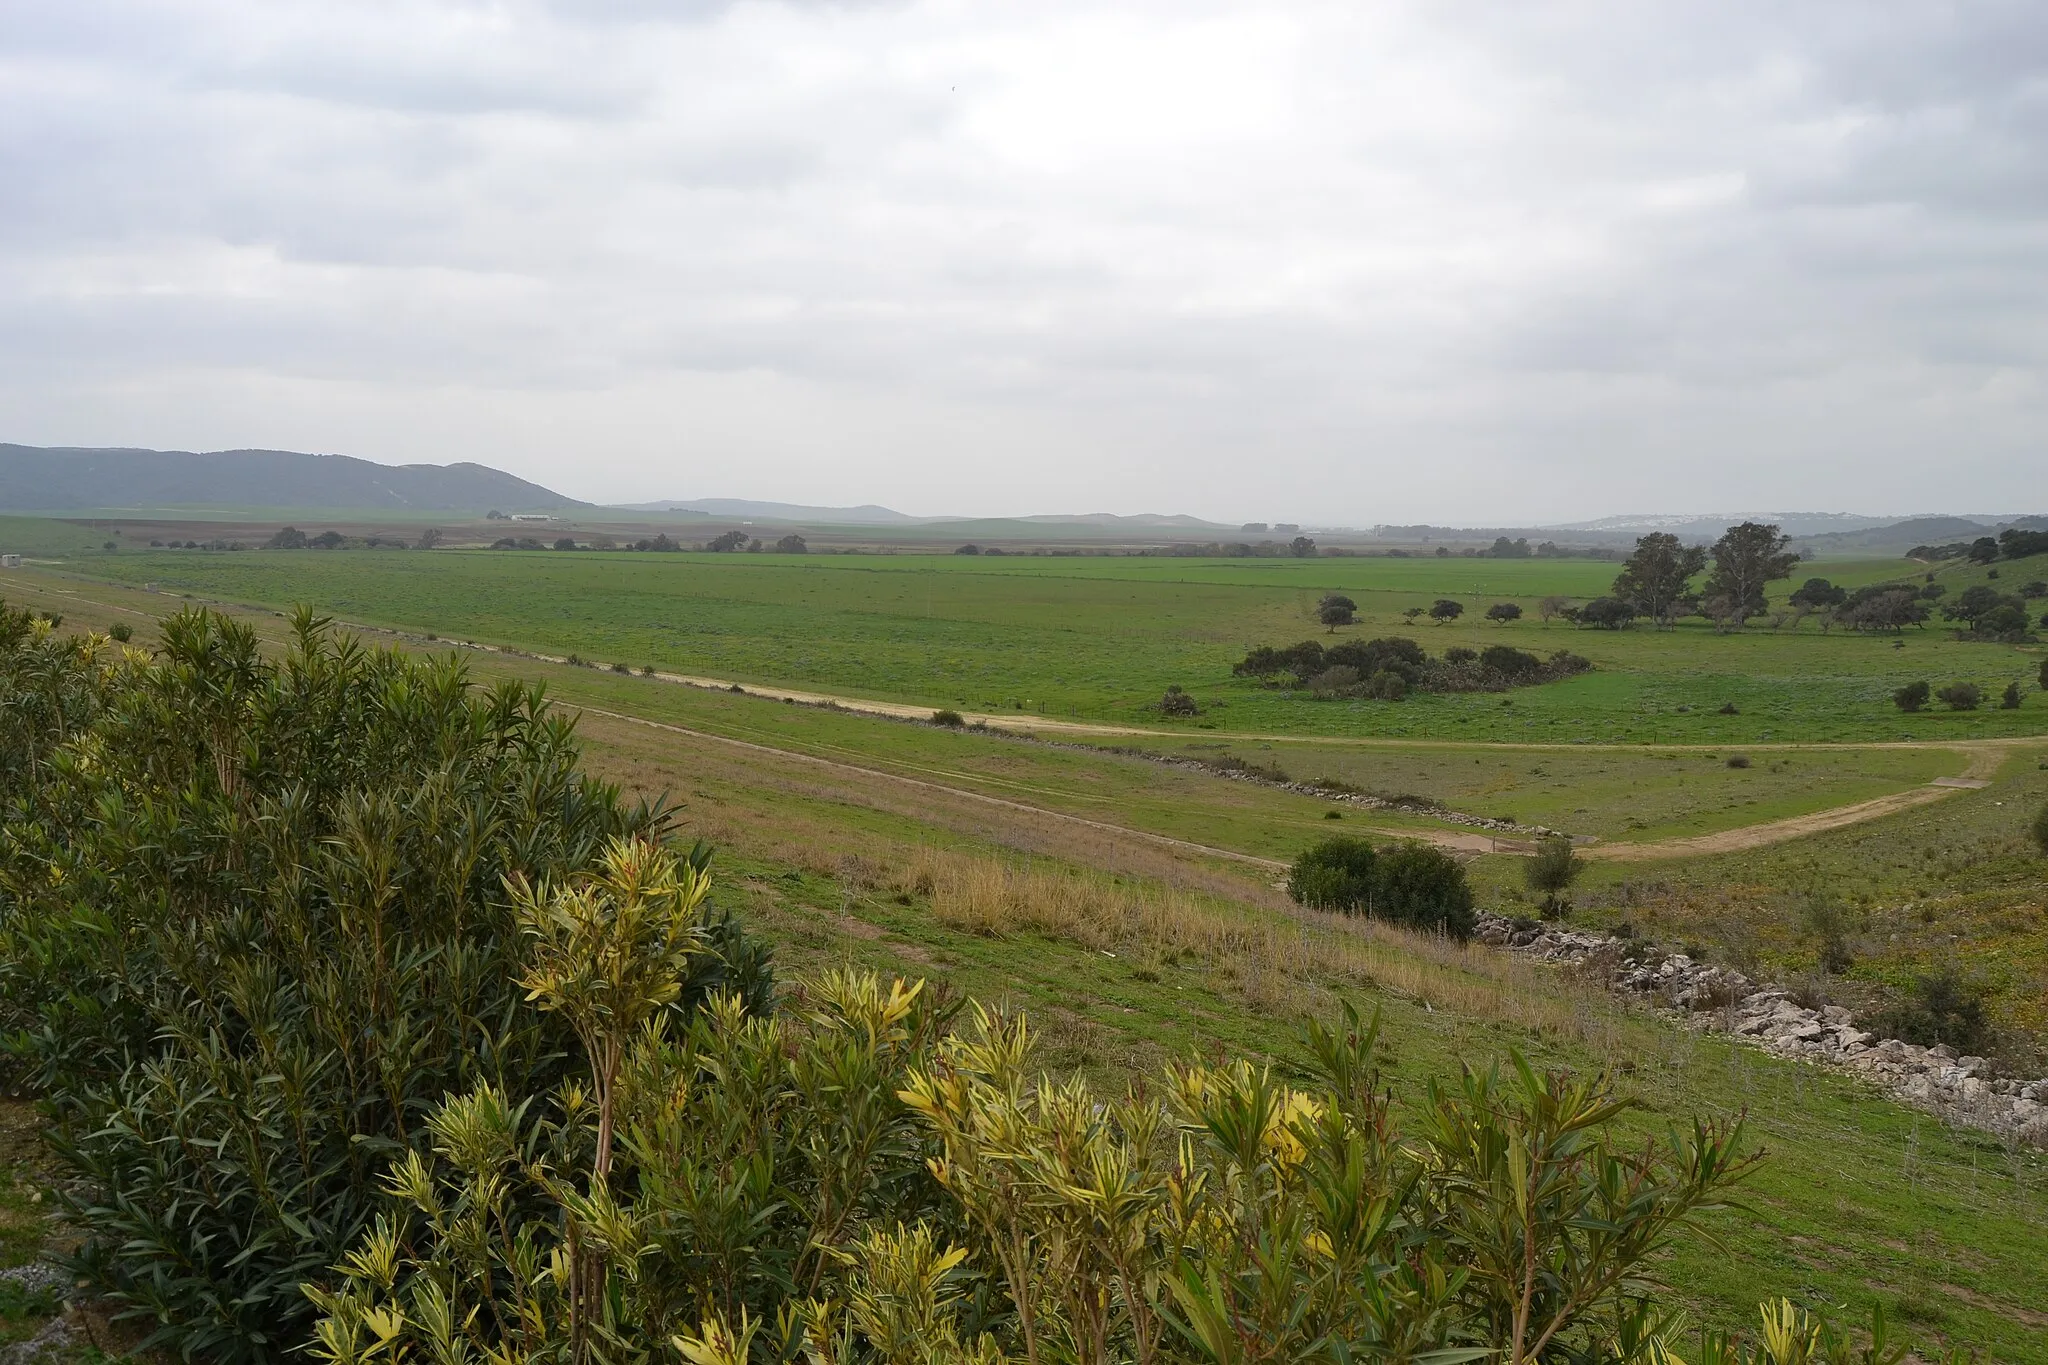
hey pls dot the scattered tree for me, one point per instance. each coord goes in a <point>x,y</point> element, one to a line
<point>287,538</point>
<point>1301,547</point>
<point>429,538</point>
<point>791,544</point>
<point>1446,610</point>
<point>1551,606</point>
<point>1337,610</point>
<point>968,549</point>
<point>1913,696</point>
<point>566,543</point>
<point>2009,700</point>
<point>1608,613</point>
<point>1983,550</point>
<point>1503,548</point>
<point>1553,869</point>
<point>727,542</point>
<point>1178,703</point>
<point>1504,612</point>
<point>1413,612</point>
<point>1657,579</point>
<point>1745,559</point>
<point>948,717</point>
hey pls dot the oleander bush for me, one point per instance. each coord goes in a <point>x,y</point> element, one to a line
<point>256,927</point>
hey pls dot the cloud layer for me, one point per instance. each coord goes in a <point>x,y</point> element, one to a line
<point>1331,263</point>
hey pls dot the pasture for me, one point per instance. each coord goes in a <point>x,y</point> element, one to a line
<point>1101,638</point>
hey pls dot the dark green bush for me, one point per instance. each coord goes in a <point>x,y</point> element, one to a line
<point>1961,696</point>
<point>1410,884</point>
<point>121,632</point>
<point>254,929</point>
<point>1913,696</point>
<point>948,717</point>
<point>2039,830</point>
<point>1941,1008</point>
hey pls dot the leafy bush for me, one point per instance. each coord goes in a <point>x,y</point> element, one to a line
<point>1177,702</point>
<point>1504,612</point>
<point>1386,685</point>
<point>1444,609</point>
<point>852,1182</point>
<point>1913,696</point>
<point>1961,696</point>
<point>1607,613</point>
<point>1552,870</point>
<point>1411,884</point>
<point>121,632</point>
<point>948,717</point>
<point>1942,1008</point>
<point>254,929</point>
<point>1738,760</point>
<point>1336,610</point>
<point>2009,700</point>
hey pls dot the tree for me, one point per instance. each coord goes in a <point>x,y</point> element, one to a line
<point>1446,610</point>
<point>1912,697</point>
<point>1555,866</point>
<point>1504,612</point>
<point>287,538</point>
<point>2014,543</point>
<point>1817,593</point>
<point>2009,700</point>
<point>566,543</point>
<point>1745,559</point>
<point>791,545</point>
<point>1882,607</point>
<point>727,543</point>
<point>1972,603</point>
<point>1961,696</point>
<point>1413,612</point>
<point>1336,874</point>
<point>1983,550</point>
<point>968,549</point>
<point>1301,547</point>
<point>1178,703</point>
<point>1658,576</point>
<point>1552,606</point>
<point>1608,613</point>
<point>1503,548</point>
<point>429,538</point>
<point>1337,610</point>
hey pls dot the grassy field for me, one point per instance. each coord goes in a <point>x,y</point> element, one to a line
<point>889,853</point>
<point>1102,638</point>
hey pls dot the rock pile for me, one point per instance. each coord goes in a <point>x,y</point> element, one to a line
<point>1965,1090</point>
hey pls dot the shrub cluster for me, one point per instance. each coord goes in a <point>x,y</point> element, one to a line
<point>1389,668</point>
<point>1410,884</point>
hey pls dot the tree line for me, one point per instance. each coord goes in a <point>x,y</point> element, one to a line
<point>1389,668</point>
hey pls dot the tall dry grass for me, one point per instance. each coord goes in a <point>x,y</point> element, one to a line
<point>1272,956</point>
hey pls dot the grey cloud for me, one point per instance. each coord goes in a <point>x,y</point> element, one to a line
<point>1408,253</point>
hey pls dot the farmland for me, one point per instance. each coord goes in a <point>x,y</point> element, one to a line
<point>1101,638</point>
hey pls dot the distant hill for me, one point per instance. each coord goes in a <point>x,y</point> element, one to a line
<point>866,514</point>
<point>57,478</point>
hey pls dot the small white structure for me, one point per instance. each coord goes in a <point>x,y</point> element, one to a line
<point>10,561</point>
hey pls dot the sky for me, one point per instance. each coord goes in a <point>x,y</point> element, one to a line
<point>1353,263</point>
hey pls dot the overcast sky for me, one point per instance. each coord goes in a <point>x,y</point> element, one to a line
<point>1344,263</point>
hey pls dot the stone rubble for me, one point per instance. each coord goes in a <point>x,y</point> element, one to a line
<point>1963,1090</point>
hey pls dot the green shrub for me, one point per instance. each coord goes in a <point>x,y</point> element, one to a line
<point>1913,696</point>
<point>1551,872</point>
<point>1410,884</point>
<point>1386,685</point>
<point>1738,760</point>
<point>2039,830</point>
<point>851,1182</point>
<point>1961,696</point>
<point>254,929</point>
<point>950,718</point>
<point>1941,1008</point>
<point>2009,700</point>
<point>121,632</point>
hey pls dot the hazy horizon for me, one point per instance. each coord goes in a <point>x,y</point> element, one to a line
<point>1485,264</point>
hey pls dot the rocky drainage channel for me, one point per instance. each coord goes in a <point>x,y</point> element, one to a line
<point>1961,1090</point>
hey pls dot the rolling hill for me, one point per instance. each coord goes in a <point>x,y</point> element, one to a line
<point>60,478</point>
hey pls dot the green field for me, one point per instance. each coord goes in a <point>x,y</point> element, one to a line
<point>1862,1202</point>
<point>1101,638</point>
